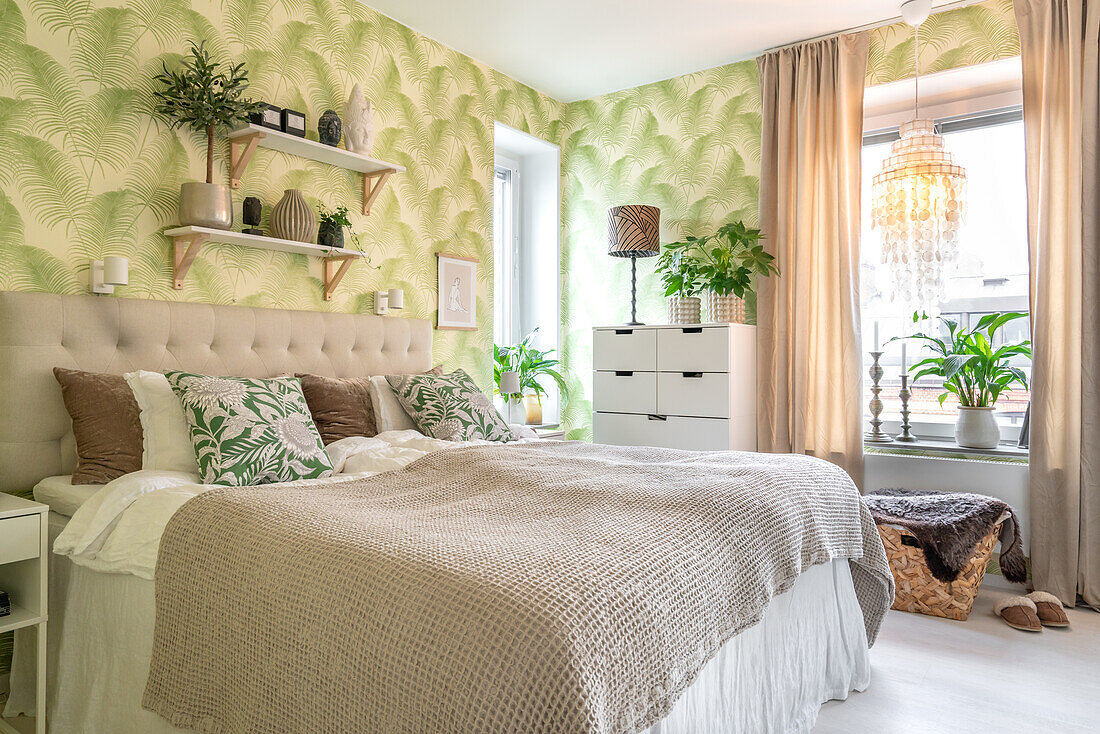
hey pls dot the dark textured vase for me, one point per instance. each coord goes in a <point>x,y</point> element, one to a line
<point>329,128</point>
<point>330,235</point>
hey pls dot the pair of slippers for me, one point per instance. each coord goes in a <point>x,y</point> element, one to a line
<point>1032,612</point>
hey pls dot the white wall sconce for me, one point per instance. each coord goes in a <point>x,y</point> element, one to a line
<point>385,300</point>
<point>109,272</point>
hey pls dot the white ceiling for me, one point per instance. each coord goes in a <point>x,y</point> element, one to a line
<point>576,49</point>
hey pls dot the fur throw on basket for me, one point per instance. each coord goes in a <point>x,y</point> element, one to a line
<point>948,526</point>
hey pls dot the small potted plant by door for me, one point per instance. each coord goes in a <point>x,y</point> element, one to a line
<point>678,269</point>
<point>330,229</point>
<point>974,372</point>
<point>205,97</point>
<point>530,365</point>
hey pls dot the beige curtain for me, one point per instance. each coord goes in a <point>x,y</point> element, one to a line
<point>1058,40</point>
<point>808,318</point>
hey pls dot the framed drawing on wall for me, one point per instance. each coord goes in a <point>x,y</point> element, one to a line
<point>457,292</point>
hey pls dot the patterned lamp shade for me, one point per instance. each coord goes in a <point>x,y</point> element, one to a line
<point>634,231</point>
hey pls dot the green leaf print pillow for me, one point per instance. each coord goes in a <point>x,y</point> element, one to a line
<point>449,407</point>
<point>250,431</point>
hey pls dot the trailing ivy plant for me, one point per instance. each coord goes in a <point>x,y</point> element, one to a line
<point>724,262</point>
<point>204,97</point>
<point>971,369</point>
<point>337,217</point>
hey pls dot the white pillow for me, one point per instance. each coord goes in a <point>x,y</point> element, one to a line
<point>166,437</point>
<point>389,415</point>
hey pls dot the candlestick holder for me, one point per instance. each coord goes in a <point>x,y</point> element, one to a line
<point>876,434</point>
<point>905,436</point>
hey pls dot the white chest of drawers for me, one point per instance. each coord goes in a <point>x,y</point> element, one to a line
<point>684,387</point>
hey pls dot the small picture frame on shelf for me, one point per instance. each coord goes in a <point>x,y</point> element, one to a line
<point>270,117</point>
<point>293,123</point>
<point>457,292</point>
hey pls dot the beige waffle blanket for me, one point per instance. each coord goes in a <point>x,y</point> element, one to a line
<point>562,587</point>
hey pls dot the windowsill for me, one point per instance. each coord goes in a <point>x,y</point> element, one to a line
<point>944,449</point>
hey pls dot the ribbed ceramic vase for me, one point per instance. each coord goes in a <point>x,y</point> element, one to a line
<point>725,309</point>
<point>293,218</point>
<point>684,310</point>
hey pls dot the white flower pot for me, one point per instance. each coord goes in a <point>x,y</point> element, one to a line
<point>684,310</point>
<point>727,309</point>
<point>976,428</point>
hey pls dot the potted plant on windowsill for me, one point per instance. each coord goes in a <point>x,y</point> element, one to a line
<point>974,372</point>
<point>530,366</point>
<point>203,97</point>
<point>678,269</point>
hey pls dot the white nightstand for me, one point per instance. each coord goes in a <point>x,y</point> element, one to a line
<point>24,556</point>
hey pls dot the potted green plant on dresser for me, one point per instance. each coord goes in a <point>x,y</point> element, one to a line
<point>203,96</point>
<point>974,371</point>
<point>678,269</point>
<point>726,264</point>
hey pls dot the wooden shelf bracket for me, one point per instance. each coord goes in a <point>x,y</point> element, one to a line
<point>185,248</point>
<point>372,187</point>
<point>240,155</point>
<point>334,269</point>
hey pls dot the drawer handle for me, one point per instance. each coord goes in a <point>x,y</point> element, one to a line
<point>624,331</point>
<point>624,373</point>
<point>692,374</point>
<point>693,330</point>
<point>657,417</point>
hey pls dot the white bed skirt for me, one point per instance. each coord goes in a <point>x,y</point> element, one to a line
<point>809,648</point>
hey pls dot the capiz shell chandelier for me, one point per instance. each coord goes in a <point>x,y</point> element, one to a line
<point>918,199</point>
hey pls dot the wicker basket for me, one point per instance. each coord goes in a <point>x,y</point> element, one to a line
<point>916,590</point>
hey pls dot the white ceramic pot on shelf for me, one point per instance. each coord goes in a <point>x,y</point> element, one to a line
<point>977,428</point>
<point>684,310</point>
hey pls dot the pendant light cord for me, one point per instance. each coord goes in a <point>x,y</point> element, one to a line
<point>916,71</point>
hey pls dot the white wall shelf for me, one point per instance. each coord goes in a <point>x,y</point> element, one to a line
<point>243,144</point>
<point>187,241</point>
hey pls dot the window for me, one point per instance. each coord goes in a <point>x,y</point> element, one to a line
<point>991,273</point>
<point>505,243</point>
<point>526,232</point>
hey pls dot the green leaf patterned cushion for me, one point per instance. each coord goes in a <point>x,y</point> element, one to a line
<point>449,407</point>
<point>250,431</point>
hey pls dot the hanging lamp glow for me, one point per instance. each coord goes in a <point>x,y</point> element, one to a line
<point>919,200</point>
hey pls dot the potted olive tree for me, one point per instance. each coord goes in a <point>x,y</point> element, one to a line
<point>203,96</point>
<point>974,372</point>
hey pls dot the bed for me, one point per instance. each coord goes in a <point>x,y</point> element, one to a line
<point>810,644</point>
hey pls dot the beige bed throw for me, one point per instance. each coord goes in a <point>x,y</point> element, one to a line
<point>561,587</point>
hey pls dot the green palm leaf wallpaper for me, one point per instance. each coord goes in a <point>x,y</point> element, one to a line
<point>95,174</point>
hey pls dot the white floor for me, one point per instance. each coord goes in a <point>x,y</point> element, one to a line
<point>937,675</point>
<point>932,675</point>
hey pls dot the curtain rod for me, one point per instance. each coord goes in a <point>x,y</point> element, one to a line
<point>872,26</point>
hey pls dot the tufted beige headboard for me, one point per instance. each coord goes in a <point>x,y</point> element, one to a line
<point>40,331</point>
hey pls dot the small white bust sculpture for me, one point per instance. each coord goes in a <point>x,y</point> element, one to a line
<point>359,122</point>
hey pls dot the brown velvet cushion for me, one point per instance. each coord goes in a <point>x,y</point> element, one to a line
<point>106,424</point>
<point>340,406</point>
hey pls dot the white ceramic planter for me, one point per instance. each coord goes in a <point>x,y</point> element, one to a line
<point>725,309</point>
<point>977,428</point>
<point>684,310</point>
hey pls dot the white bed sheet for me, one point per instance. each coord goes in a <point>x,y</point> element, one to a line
<point>62,496</point>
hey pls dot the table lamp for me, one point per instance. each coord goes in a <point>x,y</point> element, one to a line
<point>633,231</point>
